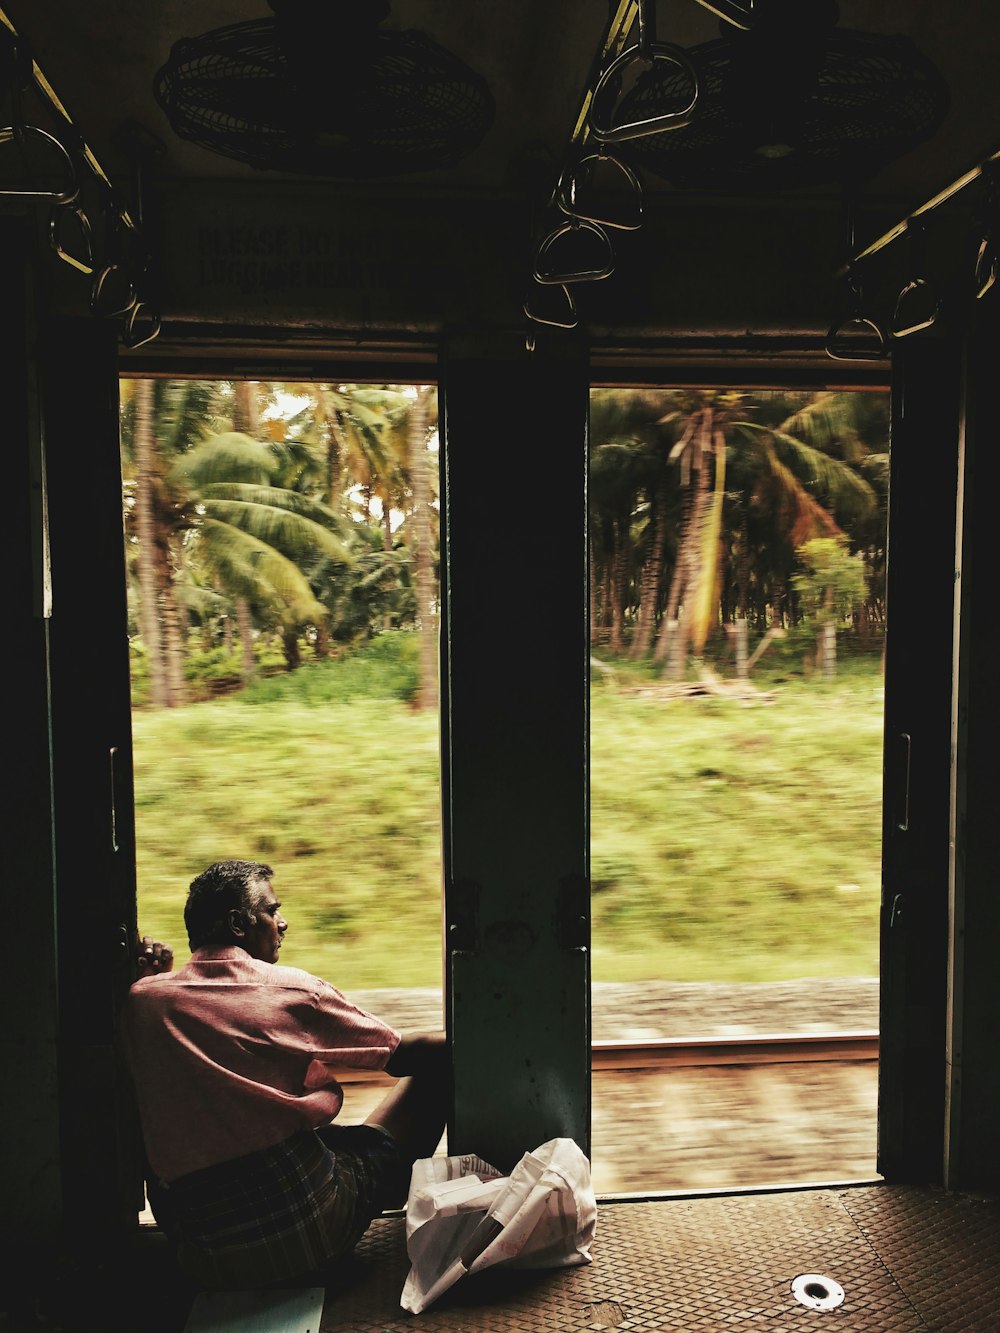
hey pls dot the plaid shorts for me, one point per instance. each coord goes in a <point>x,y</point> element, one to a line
<point>284,1211</point>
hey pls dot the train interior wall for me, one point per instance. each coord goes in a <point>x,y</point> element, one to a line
<point>309,280</point>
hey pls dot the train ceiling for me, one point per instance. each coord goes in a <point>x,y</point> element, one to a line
<point>504,85</point>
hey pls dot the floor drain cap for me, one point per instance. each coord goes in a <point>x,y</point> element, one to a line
<point>817,1291</point>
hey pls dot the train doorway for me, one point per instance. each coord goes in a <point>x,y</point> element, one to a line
<point>282,554</point>
<point>738,628</point>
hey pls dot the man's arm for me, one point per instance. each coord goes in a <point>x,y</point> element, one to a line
<point>422,1053</point>
<point>414,1112</point>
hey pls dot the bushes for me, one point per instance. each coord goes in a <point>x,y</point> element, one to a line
<point>387,667</point>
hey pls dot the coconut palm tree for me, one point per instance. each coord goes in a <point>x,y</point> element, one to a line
<point>718,488</point>
<point>802,489</point>
<point>159,420</point>
<point>255,536</point>
<point>407,486</point>
<point>633,507</point>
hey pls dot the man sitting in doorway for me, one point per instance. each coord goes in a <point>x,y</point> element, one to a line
<point>232,1057</point>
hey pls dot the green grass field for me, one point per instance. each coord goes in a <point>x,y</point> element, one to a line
<point>731,841</point>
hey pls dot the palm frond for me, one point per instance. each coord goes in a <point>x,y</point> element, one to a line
<point>231,456</point>
<point>289,532</point>
<point>254,569</point>
<point>814,468</point>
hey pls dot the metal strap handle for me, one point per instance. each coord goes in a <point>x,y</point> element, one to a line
<point>574,180</point>
<point>107,299</point>
<point>83,259</point>
<point>911,313</point>
<point>605,131</point>
<point>142,325</point>
<point>647,51</point>
<point>19,135</point>
<point>857,337</point>
<point>551,277</point>
<point>985,270</point>
<point>566,318</point>
<point>21,68</point>
<point>986,267</point>
<point>114,290</point>
<point>851,340</point>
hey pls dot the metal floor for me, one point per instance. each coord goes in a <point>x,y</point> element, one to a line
<point>907,1258</point>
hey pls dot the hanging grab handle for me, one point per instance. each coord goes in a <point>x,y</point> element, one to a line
<point>571,193</point>
<point>559,314</point>
<point>31,141</point>
<point>857,337</point>
<point>81,255</point>
<point>647,51</point>
<point>605,131</point>
<point>22,136</point>
<point>576,270</point>
<point>142,325</point>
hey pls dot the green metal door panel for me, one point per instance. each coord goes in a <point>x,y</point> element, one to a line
<point>514,720</point>
<point>972,1145</point>
<point>92,772</point>
<point>915,828</point>
<point>30,1159</point>
<point>522,1074</point>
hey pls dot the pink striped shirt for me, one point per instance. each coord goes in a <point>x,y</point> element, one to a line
<point>229,1054</point>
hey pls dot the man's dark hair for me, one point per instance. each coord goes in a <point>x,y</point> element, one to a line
<point>223,888</point>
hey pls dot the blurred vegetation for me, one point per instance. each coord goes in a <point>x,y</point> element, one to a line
<point>283,544</point>
<point>731,839</point>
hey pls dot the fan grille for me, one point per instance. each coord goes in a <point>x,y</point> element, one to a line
<point>413,106</point>
<point>874,99</point>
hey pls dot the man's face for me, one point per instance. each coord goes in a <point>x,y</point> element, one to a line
<point>263,939</point>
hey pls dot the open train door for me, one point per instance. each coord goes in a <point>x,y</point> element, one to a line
<point>925,432</point>
<point>91,740</point>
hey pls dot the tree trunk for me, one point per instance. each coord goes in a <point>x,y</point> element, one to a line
<point>334,462</point>
<point>245,412</point>
<point>778,598</point>
<point>386,524</point>
<point>652,572</point>
<point>290,647</point>
<point>739,629</point>
<point>690,555</point>
<point>145,513</point>
<point>743,570</point>
<point>175,627</point>
<point>244,621</point>
<point>173,647</point>
<point>707,566</point>
<point>828,637</point>
<point>616,590</point>
<point>427,694</point>
<point>670,623</point>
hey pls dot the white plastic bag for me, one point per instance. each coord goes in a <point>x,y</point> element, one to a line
<point>462,1216</point>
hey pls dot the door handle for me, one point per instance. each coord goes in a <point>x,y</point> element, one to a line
<point>903,824</point>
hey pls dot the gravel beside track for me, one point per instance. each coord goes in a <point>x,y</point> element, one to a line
<point>648,1010</point>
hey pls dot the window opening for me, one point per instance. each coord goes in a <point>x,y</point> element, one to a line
<point>282,543</point>
<point>737,608</point>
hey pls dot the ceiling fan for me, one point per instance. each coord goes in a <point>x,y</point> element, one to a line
<point>785,100</point>
<point>322,89</point>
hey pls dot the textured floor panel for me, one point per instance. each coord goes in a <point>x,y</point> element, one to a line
<point>943,1250</point>
<point>907,1259</point>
